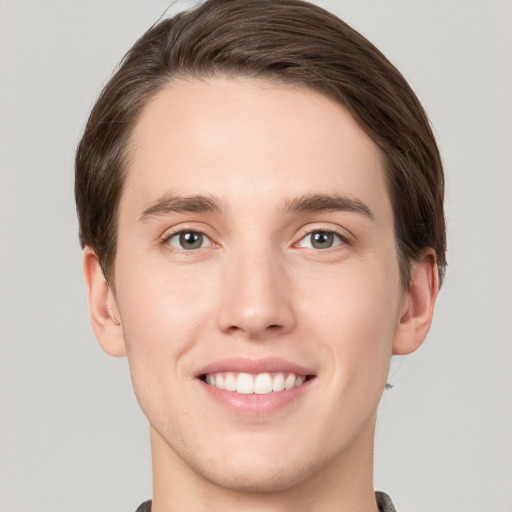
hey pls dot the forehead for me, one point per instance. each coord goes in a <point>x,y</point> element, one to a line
<point>249,142</point>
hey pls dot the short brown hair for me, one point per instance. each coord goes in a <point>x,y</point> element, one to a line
<point>290,41</point>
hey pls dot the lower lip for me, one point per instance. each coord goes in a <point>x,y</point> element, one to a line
<point>254,404</point>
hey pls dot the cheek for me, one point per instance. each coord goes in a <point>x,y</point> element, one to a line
<point>354,312</point>
<point>161,314</point>
<point>160,326</point>
<point>160,302</point>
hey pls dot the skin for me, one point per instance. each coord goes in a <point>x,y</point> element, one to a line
<point>257,288</point>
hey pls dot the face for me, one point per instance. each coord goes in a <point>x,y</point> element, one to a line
<point>256,280</point>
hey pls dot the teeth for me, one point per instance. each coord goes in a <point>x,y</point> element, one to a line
<point>260,384</point>
<point>278,382</point>
<point>230,382</point>
<point>263,384</point>
<point>290,381</point>
<point>245,384</point>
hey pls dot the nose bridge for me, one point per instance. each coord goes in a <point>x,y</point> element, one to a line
<point>255,296</point>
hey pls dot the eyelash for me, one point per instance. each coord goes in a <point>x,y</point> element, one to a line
<point>342,238</point>
<point>169,236</point>
<point>165,240</point>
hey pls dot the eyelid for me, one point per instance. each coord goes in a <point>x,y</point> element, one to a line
<point>308,230</point>
<point>186,228</point>
<point>344,235</point>
<point>205,242</point>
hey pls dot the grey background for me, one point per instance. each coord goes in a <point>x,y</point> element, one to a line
<point>71,435</point>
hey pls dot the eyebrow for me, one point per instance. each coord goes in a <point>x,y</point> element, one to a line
<point>327,203</point>
<point>172,203</point>
<point>309,203</point>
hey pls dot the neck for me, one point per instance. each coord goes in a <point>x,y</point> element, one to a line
<point>343,484</point>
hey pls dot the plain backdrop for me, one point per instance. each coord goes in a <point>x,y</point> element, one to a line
<point>71,434</point>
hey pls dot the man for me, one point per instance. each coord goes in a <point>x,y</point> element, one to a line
<point>260,199</point>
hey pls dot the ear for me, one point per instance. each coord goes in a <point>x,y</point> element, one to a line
<point>105,318</point>
<point>418,305</point>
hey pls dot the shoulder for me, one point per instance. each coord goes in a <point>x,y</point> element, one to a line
<point>384,502</point>
<point>145,507</point>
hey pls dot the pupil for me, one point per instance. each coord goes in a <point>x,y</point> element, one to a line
<point>191,240</point>
<point>322,239</point>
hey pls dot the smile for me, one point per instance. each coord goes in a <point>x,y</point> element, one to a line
<point>256,387</point>
<point>259,384</point>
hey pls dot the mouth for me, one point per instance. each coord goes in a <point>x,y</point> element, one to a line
<point>255,383</point>
<point>256,387</point>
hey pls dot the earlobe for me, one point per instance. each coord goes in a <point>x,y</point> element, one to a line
<point>418,305</point>
<point>105,318</point>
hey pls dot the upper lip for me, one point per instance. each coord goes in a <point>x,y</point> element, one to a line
<point>247,365</point>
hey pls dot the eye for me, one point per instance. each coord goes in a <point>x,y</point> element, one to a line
<point>320,239</point>
<point>188,240</point>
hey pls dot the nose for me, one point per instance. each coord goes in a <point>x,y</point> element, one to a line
<point>256,295</point>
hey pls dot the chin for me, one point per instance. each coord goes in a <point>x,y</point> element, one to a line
<point>256,470</point>
<point>255,478</point>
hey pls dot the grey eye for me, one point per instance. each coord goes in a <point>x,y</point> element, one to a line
<point>189,240</point>
<point>321,240</point>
